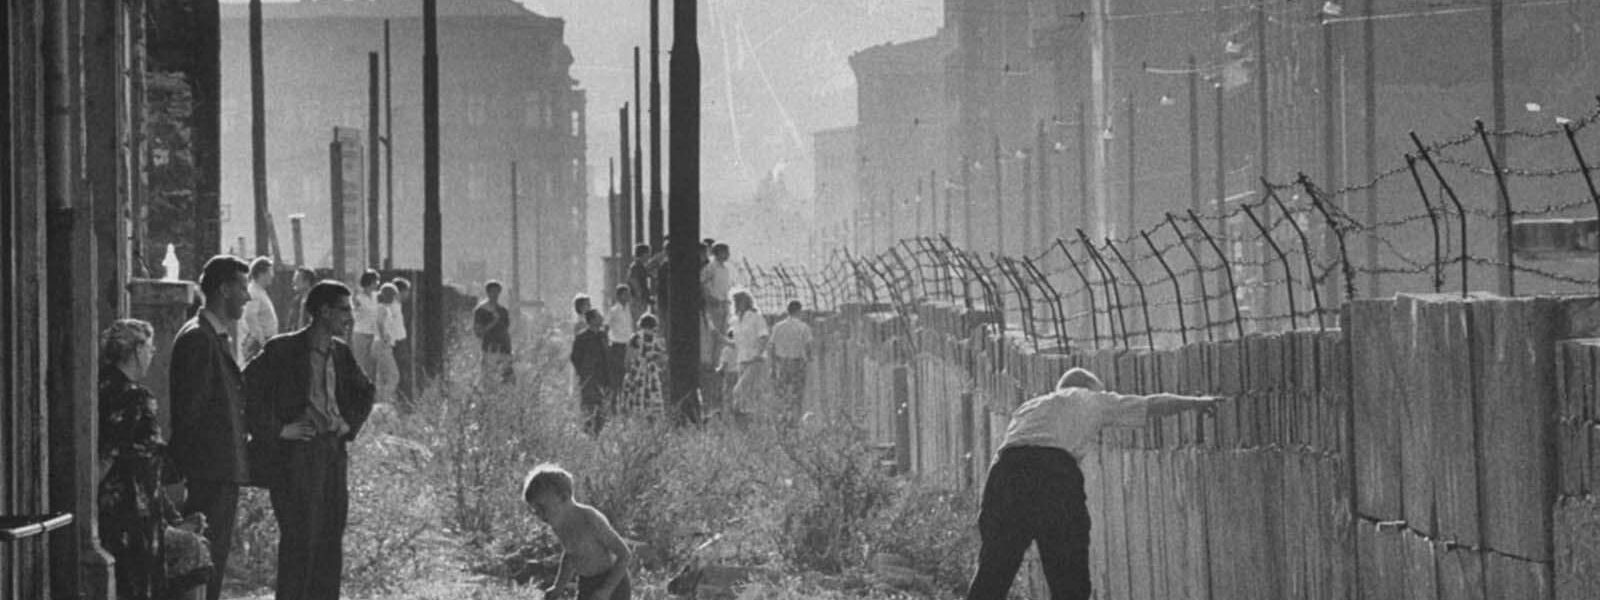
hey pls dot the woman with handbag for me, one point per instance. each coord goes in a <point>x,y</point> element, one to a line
<point>158,553</point>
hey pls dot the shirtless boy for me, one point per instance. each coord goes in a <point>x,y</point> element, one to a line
<point>592,550</point>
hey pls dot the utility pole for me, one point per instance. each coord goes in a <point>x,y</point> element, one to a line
<point>516,247</point>
<point>1100,49</point>
<point>1041,217</point>
<point>258,131</point>
<point>683,258</point>
<point>1083,166</point>
<point>1133,166</point>
<point>1263,114</point>
<point>299,243</point>
<point>373,231</point>
<point>432,248</point>
<point>1497,67</point>
<point>999,201</point>
<point>1369,85</point>
<point>966,200</point>
<point>657,225</point>
<point>635,187</point>
<point>633,220</point>
<point>1194,155</point>
<point>388,147</point>
<point>1332,152</point>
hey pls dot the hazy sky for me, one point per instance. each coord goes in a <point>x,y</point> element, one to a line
<point>773,72</point>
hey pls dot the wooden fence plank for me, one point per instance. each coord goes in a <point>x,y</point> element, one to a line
<point>1377,418</point>
<point>1454,436</point>
<point>1507,578</point>
<point>1516,338</point>
<point>1383,563</point>
<point>1460,574</point>
<point>1416,325</point>
<point>1577,561</point>
<point>1422,576</point>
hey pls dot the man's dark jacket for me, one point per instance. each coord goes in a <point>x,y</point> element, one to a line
<point>208,409</point>
<point>277,392</point>
<point>589,358</point>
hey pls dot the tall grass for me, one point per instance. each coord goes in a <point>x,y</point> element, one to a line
<point>435,495</point>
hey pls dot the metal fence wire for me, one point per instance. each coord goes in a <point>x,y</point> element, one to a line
<point>1286,258</point>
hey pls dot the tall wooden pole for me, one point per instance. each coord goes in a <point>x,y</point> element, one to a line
<point>683,258</point>
<point>966,201</point>
<point>635,187</point>
<point>1369,133</point>
<point>388,148</point>
<point>1332,150</point>
<point>516,247</point>
<point>1085,201</point>
<point>633,220</point>
<point>374,231</point>
<point>999,200</point>
<point>657,225</point>
<point>432,226</point>
<point>1133,168</point>
<point>258,131</point>
<point>1041,219</point>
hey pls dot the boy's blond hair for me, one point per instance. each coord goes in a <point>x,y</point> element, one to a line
<point>547,477</point>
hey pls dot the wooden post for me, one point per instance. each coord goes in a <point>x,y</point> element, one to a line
<point>657,226</point>
<point>432,312</point>
<point>388,149</point>
<point>374,254</point>
<point>902,419</point>
<point>515,300</point>
<point>633,216</point>
<point>258,131</point>
<point>683,258</point>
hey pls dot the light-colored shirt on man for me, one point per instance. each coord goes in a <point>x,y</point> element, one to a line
<point>260,317</point>
<point>366,313</point>
<point>1070,419</point>
<point>394,321</point>
<point>748,329</point>
<point>620,320</point>
<point>717,280</point>
<point>323,412</point>
<point>791,339</point>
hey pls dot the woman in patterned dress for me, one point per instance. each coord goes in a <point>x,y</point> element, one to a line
<point>154,560</point>
<point>641,388</point>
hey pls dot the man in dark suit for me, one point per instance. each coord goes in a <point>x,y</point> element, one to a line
<point>208,415</point>
<point>307,397</point>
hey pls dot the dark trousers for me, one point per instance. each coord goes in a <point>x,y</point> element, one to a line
<point>311,504</point>
<point>219,502</point>
<point>587,586</point>
<point>592,401</point>
<point>1033,495</point>
<point>617,357</point>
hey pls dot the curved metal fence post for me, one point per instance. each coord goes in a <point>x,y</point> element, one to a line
<point>1199,275</point>
<point>1144,300</point>
<point>1338,232</point>
<point>1288,272</point>
<point>1433,220</point>
<point>1109,279</point>
<point>1449,192</point>
<point>1088,288</point>
<point>1060,315</point>
<point>1227,269</point>
<point>1583,166</point>
<point>959,264</point>
<point>1305,248</point>
<point>1177,289</point>
<point>1008,267</point>
<point>1509,274</point>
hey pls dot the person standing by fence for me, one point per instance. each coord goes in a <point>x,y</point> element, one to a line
<point>1034,492</point>
<point>365,331</point>
<point>716,281</point>
<point>619,331</point>
<point>750,336</point>
<point>590,364</point>
<point>791,352</point>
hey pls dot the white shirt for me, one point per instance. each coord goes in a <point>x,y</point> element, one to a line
<point>366,313</point>
<point>391,323</point>
<point>260,321</point>
<point>748,329</point>
<point>1070,419</point>
<point>717,280</point>
<point>621,321</point>
<point>791,337</point>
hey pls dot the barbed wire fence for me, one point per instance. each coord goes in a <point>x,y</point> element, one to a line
<point>1286,256</point>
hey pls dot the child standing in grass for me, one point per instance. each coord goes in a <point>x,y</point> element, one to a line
<point>592,550</point>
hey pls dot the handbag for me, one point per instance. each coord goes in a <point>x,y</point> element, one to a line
<point>188,554</point>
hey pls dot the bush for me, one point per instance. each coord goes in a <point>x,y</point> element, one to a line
<point>934,527</point>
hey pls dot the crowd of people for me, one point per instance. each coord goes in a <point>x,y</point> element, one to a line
<point>256,401</point>
<point>619,355</point>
